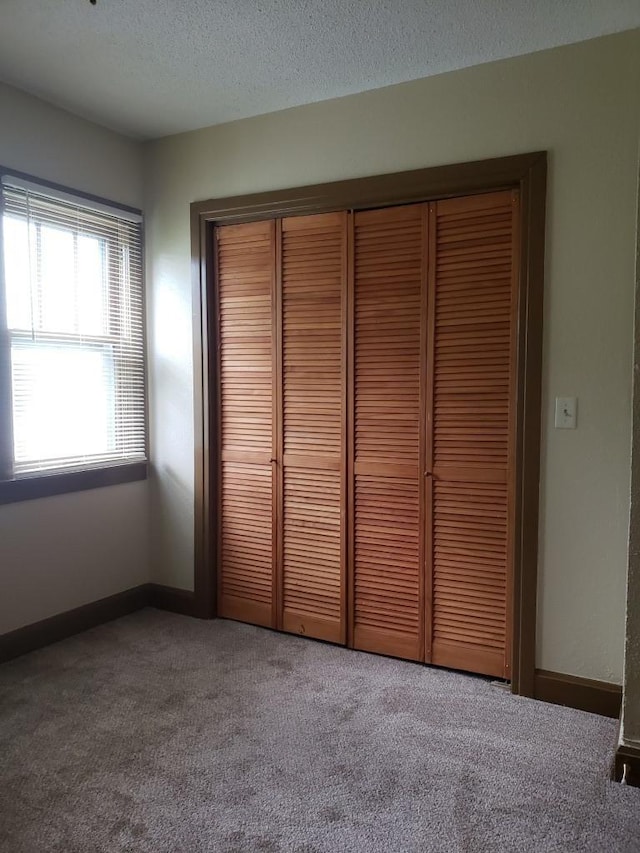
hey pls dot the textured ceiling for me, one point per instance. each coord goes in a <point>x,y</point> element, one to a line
<point>154,67</point>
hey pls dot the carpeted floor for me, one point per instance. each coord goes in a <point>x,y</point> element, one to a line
<point>161,733</point>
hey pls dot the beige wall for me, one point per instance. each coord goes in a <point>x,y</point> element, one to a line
<point>578,102</point>
<point>61,552</point>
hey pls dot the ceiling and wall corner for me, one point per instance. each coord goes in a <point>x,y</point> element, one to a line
<point>578,102</point>
<point>150,68</point>
<point>50,143</point>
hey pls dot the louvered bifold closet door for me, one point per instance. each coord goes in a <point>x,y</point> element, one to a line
<point>474,242</point>
<point>313,591</point>
<point>389,287</point>
<point>245,274</point>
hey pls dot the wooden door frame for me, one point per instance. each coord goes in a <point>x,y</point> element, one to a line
<point>525,172</point>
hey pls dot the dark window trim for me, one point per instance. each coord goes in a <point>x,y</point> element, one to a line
<point>6,420</point>
<point>97,199</point>
<point>527,173</point>
<point>47,484</point>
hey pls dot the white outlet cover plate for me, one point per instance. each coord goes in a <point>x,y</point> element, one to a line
<point>566,412</point>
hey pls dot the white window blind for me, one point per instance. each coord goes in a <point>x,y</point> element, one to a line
<point>74,312</point>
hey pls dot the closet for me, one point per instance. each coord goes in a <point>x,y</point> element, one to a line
<point>366,410</point>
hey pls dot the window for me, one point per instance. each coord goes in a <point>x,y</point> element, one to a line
<point>73,368</point>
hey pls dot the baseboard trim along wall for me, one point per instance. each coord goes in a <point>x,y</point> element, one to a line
<point>169,598</point>
<point>597,697</point>
<point>71,622</point>
<point>627,765</point>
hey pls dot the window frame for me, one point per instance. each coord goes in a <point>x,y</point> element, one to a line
<point>29,486</point>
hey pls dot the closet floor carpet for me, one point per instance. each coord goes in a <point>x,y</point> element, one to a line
<point>162,733</point>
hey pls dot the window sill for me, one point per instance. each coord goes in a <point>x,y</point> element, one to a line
<point>47,485</point>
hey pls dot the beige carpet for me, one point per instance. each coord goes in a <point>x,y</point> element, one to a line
<point>160,733</point>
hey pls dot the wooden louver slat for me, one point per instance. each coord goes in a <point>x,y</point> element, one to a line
<point>472,442</point>
<point>245,280</point>
<point>389,268</point>
<point>313,416</point>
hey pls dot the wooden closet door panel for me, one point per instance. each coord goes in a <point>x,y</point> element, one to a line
<point>245,269</point>
<point>388,306</point>
<point>473,390</point>
<point>313,591</point>
<point>247,552</point>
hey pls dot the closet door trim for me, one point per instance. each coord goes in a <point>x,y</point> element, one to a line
<point>524,172</point>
